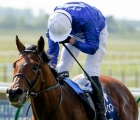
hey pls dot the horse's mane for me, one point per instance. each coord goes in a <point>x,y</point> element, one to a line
<point>44,56</point>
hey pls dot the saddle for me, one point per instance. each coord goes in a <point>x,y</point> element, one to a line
<point>83,89</point>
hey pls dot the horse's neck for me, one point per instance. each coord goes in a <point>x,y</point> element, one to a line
<point>45,103</point>
<point>48,76</point>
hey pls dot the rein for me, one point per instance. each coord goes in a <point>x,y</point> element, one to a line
<point>32,84</point>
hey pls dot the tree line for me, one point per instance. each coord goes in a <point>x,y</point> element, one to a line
<point>25,19</point>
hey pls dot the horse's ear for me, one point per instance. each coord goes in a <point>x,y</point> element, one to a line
<point>20,46</point>
<point>40,44</point>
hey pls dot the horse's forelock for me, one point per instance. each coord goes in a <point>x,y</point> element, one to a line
<point>30,47</point>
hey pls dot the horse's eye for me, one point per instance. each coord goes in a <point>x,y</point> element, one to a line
<point>35,67</point>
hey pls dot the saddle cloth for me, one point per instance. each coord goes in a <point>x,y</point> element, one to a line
<point>81,85</point>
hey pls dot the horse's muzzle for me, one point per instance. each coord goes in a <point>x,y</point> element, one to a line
<point>14,94</point>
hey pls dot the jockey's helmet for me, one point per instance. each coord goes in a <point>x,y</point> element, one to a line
<point>59,25</point>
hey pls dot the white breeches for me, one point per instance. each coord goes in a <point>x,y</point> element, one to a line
<point>93,62</point>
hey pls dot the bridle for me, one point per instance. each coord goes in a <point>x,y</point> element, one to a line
<point>30,93</point>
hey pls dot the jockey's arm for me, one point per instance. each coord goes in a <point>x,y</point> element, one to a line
<point>53,50</point>
<point>91,44</point>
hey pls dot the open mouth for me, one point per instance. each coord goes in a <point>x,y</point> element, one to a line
<point>20,102</point>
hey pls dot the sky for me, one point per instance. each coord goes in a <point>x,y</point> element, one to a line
<point>119,9</point>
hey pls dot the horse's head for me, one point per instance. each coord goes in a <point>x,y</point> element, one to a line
<point>27,71</point>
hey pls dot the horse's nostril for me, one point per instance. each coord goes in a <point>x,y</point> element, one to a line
<point>19,91</point>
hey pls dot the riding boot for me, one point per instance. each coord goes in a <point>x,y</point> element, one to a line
<point>99,99</point>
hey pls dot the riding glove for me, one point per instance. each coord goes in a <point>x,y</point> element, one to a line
<point>66,40</point>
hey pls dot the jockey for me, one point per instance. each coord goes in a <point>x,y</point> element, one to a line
<point>83,28</point>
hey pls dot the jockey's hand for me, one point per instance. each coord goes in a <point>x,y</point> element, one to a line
<point>67,40</point>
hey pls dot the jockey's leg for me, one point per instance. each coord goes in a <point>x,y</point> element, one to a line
<point>92,67</point>
<point>66,60</point>
<point>99,100</point>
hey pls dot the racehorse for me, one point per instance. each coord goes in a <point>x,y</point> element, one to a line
<point>53,100</point>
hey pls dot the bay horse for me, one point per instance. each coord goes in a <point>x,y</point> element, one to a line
<point>33,79</point>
